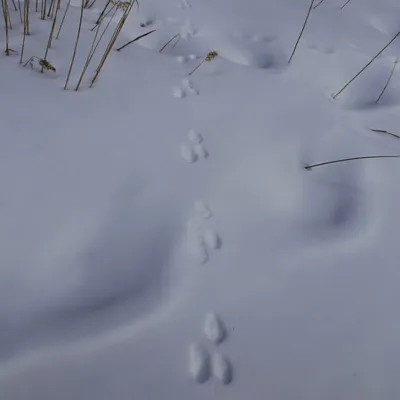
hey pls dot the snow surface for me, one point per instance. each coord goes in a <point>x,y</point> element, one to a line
<point>107,261</point>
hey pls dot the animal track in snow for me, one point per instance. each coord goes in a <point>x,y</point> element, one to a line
<point>202,209</point>
<point>199,363</point>
<point>213,328</point>
<point>189,86</point>
<point>212,239</point>
<point>181,59</point>
<point>221,368</point>
<point>184,5</point>
<point>187,30</point>
<point>188,154</point>
<point>200,151</point>
<point>194,136</point>
<point>196,245</point>
<point>178,93</point>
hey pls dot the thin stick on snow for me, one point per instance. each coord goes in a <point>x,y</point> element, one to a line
<point>53,25</point>
<point>390,77</point>
<point>318,4</point>
<point>384,132</point>
<point>302,30</point>
<point>26,28</point>
<point>102,16</point>
<point>169,41</point>
<point>136,39</point>
<point>76,45</point>
<point>345,4</point>
<point>310,167</point>
<point>63,18</point>
<point>366,66</point>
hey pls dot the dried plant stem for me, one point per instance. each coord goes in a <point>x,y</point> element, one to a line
<point>37,6</point>
<point>367,65</point>
<point>309,167</point>
<point>20,12</point>
<point>198,66</point>
<point>112,40</point>
<point>63,18</point>
<point>91,4</point>
<point>319,3</point>
<point>43,10</point>
<point>384,132</point>
<point>50,8</point>
<point>169,41</point>
<point>93,48</point>
<point>136,39</point>
<point>53,25</point>
<point>26,26</point>
<point>15,6</point>
<point>388,81</point>
<point>89,58</point>
<point>6,23</point>
<point>302,30</point>
<point>345,4</point>
<point>102,13</point>
<point>76,45</point>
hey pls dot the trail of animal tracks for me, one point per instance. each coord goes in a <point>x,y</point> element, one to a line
<point>160,237</point>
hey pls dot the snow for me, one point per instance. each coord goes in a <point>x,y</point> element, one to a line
<point>131,209</point>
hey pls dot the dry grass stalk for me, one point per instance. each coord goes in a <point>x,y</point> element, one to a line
<point>20,12</point>
<point>367,65</point>
<point>345,4</point>
<point>44,64</point>
<point>302,30</point>
<point>310,167</point>
<point>318,4</point>
<point>136,39</point>
<point>63,18</point>
<point>208,58</point>
<point>388,81</point>
<point>76,45</point>
<point>43,10</point>
<point>53,25</point>
<point>127,7</point>
<point>93,48</point>
<point>383,132</point>
<point>169,41</point>
<point>26,28</point>
<point>6,24</point>
<point>103,15</point>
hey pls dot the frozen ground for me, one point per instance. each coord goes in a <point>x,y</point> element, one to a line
<point>160,237</point>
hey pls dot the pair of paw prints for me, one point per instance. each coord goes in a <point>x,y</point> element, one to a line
<point>186,86</point>
<point>204,364</point>
<point>195,150</point>
<point>202,239</point>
